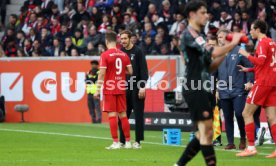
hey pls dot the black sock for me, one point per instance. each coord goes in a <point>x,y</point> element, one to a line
<point>209,154</point>
<point>191,150</point>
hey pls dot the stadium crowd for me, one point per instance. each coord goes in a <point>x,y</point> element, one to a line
<point>78,27</point>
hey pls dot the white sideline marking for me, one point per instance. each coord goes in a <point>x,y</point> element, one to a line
<point>105,138</point>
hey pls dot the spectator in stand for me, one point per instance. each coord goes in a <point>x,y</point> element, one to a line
<point>42,22</point>
<point>156,50</point>
<point>231,8</point>
<point>94,36</point>
<point>148,30</point>
<point>64,33</point>
<point>28,49</point>
<point>166,13</point>
<point>20,38</point>
<point>226,20</point>
<point>55,26</point>
<point>75,52</point>
<point>237,20</point>
<point>164,32</point>
<point>174,49</point>
<point>36,53</point>
<point>165,49</point>
<point>39,49</point>
<point>13,22</point>
<point>30,23</point>
<point>8,37</point>
<point>176,25</point>
<point>46,7</point>
<point>96,16</point>
<point>91,50</point>
<point>156,20</point>
<point>105,22</point>
<point>78,40</point>
<point>101,48</point>
<point>116,11</point>
<point>128,22</point>
<point>147,45</point>
<point>45,38</point>
<point>10,50</point>
<point>246,22</point>
<point>216,9</point>
<point>80,13</point>
<point>115,23</point>
<point>55,12</point>
<point>31,4</point>
<point>33,34</point>
<point>68,46</point>
<point>135,39</point>
<point>56,48</point>
<point>20,53</point>
<point>243,6</point>
<point>84,25</point>
<point>152,10</point>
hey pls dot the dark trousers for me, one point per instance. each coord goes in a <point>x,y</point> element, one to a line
<point>137,106</point>
<point>229,107</point>
<point>94,108</point>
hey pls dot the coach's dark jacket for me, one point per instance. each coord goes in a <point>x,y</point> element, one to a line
<point>229,68</point>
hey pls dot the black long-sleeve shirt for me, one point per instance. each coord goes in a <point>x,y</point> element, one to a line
<point>139,65</point>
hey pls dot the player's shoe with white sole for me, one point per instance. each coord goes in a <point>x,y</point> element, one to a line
<point>175,165</point>
<point>128,145</point>
<point>269,142</point>
<point>247,153</point>
<point>260,137</point>
<point>136,145</point>
<point>114,145</point>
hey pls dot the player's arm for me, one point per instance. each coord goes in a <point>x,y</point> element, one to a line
<point>215,63</point>
<point>244,69</point>
<point>221,51</point>
<point>102,71</point>
<point>259,61</point>
<point>129,70</point>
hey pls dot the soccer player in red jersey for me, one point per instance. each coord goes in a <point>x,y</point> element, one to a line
<point>114,65</point>
<point>263,92</point>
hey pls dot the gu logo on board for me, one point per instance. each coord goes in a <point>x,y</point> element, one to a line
<point>12,86</point>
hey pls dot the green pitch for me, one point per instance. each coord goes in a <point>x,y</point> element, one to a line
<point>46,144</point>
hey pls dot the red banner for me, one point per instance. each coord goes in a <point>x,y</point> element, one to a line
<point>55,91</point>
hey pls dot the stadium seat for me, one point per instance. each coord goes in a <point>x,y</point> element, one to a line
<point>21,108</point>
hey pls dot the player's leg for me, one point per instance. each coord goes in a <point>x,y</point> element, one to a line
<point>205,129</point>
<point>248,112</point>
<point>109,106</point>
<point>256,97</point>
<point>128,113</point>
<point>239,103</point>
<point>121,108</point>
<point>190,152</point>
<point>271,117</point>
<point>228,112</point>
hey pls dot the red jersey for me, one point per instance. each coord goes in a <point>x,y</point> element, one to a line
<point>115,61</point>
<point>265,63</point>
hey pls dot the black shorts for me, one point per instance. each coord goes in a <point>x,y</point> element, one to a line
<point>200,103</point>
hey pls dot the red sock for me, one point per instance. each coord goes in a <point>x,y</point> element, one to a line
<point>113,124</point>
<point>273,132</point>
<point>126,128</point>
<point>250,133</point>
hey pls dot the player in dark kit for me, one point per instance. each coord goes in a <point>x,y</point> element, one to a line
<point>198,57</point>
<point>114,65</point>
